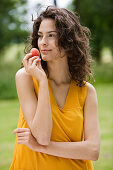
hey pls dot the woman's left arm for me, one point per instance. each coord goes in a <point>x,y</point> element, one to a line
<point>84,150</point>
<point>89,148</point>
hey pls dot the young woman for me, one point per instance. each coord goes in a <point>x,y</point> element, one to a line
<point>58,126</point>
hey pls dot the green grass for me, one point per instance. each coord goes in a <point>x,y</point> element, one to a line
<point>9,111</point>
<point>105,102</point>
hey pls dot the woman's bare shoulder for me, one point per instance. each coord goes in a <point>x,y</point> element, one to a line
<point>23,76</point>
<point>90,88</point>
<point>22,72</point>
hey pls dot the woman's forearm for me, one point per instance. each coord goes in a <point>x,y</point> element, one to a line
<point>83,150</point>
<point>42,122</point>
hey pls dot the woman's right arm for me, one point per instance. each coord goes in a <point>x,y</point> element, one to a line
<point>36,110</point>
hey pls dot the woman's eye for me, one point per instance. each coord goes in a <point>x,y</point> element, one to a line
<point>51,35</point>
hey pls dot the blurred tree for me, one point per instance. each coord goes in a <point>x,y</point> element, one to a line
<point>76,5</point>
<point>55,3</point>
<point>97,15</point>
<point>12,27</point>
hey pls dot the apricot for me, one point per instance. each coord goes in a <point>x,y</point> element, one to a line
<point>34,52</point>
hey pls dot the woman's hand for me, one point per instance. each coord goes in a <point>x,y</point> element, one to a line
<point>25,137</point>
<point>33,67</point>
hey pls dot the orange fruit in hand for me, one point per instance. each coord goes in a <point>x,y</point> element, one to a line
<point>34,52</point>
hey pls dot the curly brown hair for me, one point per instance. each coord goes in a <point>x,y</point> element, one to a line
<point>72,37</point>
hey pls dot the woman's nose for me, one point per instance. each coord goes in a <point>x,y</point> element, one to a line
<point>44,41</point>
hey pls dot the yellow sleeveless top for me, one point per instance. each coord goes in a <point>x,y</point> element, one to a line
<point>67,127</point>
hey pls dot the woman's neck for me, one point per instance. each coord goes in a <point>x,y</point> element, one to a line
<point>58,71</point>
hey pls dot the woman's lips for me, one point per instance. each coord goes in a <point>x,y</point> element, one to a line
<point>45,51</point>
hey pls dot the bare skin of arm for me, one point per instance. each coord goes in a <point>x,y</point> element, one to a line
<point>83,150</point>
<point>37,112</point>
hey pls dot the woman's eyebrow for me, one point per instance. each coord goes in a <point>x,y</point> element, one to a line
<point>47,32</point>
<point>50,31</point>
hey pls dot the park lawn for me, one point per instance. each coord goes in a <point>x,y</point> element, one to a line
<point>9,112</point>
<point>105,104</point>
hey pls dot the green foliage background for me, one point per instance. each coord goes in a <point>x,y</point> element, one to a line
<point>97,15</point>
<point>13,23</point>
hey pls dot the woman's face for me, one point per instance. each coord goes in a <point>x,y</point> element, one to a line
<point>48,41</point>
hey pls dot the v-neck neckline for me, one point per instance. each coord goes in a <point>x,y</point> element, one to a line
<point>66,101</point>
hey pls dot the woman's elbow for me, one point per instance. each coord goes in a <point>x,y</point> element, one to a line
<point>95,152</point>
<point>43,141</point>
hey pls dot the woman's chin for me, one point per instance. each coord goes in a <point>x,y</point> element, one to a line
<point>45,57</point>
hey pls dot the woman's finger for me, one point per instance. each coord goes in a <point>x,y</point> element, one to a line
<point>32,59</point>
<point>27,56</point>
<point>19,130</point>
<point>22,141</point>
<point>22,134</point>
<point>22,138</point>
<point>25,59</point>
<point>35,61</point>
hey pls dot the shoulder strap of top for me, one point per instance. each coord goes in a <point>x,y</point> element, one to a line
<point>82,93</point>
<point>36,85</point>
